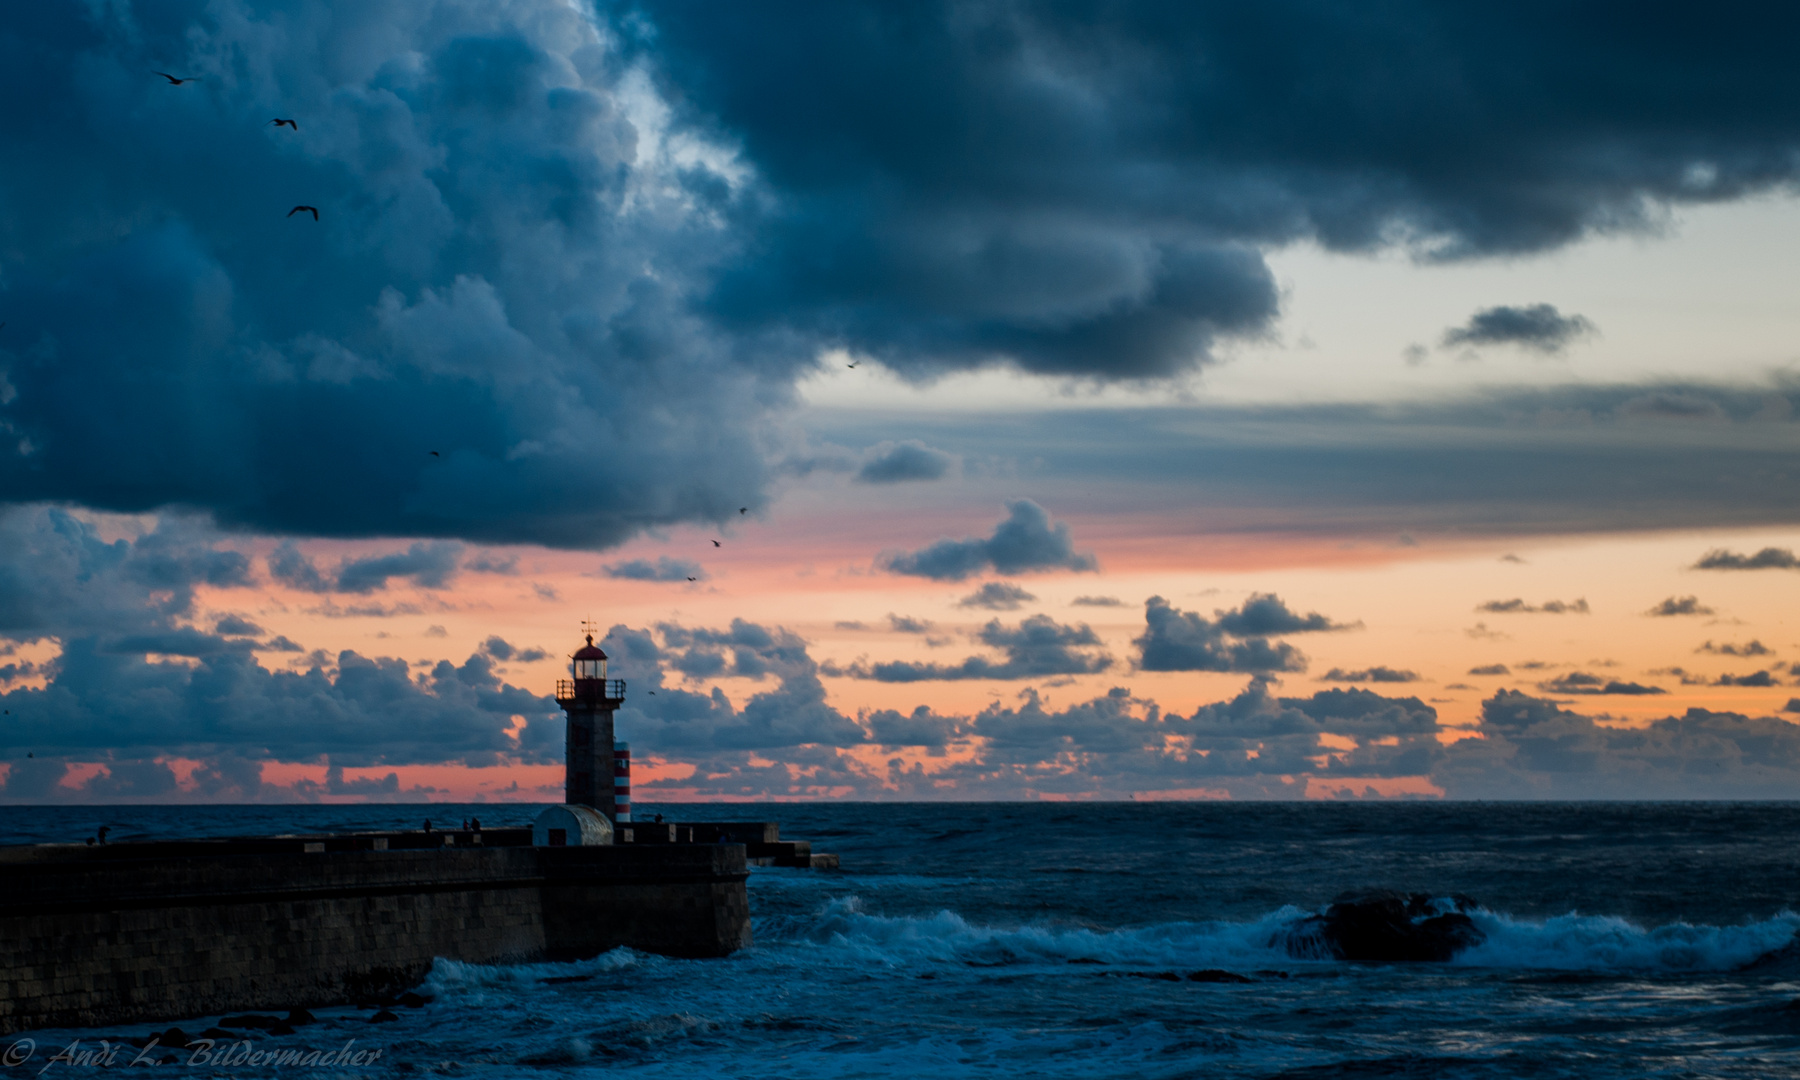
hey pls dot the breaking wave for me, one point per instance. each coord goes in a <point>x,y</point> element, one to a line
<point>842,930</point>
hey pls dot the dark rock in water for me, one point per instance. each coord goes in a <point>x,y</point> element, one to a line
<point>1777,961</point>
<point>1381,925</point>
<point>250,1020</point>
<point>385,1016</point>
<point>174,1039</point>
<point>221,1035</point>
<point>298,1017</point>
<point>413,1001</point>
<point>281,1029</point>
<point>1214,975</point>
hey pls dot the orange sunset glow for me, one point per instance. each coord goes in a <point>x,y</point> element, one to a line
<point>1093,452</point>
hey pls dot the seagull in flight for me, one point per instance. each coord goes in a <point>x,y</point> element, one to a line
<point>434,453</point>
<point>693,579</point>
<point>853,365</point>
<point>717,544</point>
<point>311,209</point>
<point>173,81</point>
<point>279,122</point>
<point>741,509</point>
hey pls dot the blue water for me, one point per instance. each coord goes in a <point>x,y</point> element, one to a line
<point>1038,940</point>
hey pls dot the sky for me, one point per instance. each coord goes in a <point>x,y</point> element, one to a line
<point>957,401</point>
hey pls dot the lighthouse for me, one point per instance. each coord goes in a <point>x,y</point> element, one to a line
<point>590,699</point>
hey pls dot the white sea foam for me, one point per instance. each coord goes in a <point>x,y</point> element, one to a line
<point>1605,942</point>
<point>842,928</point>
<point>470,983</point>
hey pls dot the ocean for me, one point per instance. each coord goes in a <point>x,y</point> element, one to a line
<point>1062,940</point>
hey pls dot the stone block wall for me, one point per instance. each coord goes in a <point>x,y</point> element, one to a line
<point>130,932</point>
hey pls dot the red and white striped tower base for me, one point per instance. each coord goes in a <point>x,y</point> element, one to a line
<point>621,781</point>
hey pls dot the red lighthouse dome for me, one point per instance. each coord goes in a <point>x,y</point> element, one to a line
<point>590,661</point>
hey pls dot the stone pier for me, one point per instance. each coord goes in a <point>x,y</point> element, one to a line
<point>119,933</point>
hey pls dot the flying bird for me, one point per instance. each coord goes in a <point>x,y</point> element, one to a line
<point>853,365</point>
<point>173,81</point>
<point>693,579</point>
<point>310,209</point>
<point>741,509</point>
<point>279,122</point>
<point>434,453</point>
<point>717,544</point>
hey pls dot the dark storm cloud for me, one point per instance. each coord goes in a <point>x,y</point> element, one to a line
<point>1176,640</point>
<point>997,596</point>
<point>745,649</point>
<point>1257,733</point>
<point>1580,682</point>
<point>1492,463</point>
<point>1769,558</point>
<point>663,569</point>
<point>1264,614</point>
<point>894,463</point>
<point>921,727</point>
<point>489,563</point>
<point>1078,188</point>
<point>1680,605</point>
<point>907,624</point>
<point>128,780</point>
<point>236,626</point>
<point>486,334</point>
<point>1253,746</point>
<point>1533,749</point>
<point>1548,607</point>
<point>1667,405</point>
<point>1025,541</point>
<point>590,320</point>
<point>1377,674</point>
<point>121,609</point>
<point>59,579</point>
<point>1491,669</point>
<point>1537,327</point>
<point>360,711</point>
<point>501,649</point>
<point>1755,678</point>
<point>429,565</point>
<point>697,724</point>
<point>1039,646</point>
<point>1748,648</point>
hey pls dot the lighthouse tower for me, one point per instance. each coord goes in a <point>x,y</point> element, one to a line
<point>589,699</point>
